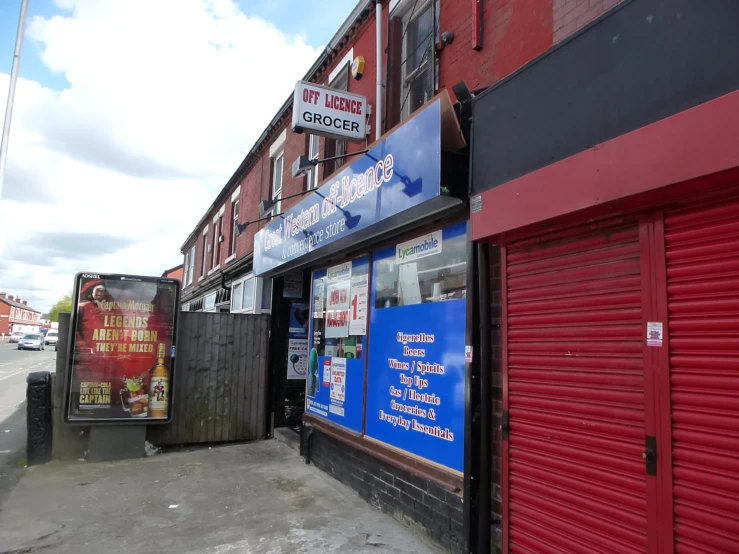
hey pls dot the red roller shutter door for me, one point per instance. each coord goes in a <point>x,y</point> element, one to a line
<point>702,249</point>
<point>574,393</point>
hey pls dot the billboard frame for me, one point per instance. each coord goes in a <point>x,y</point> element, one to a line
<point>72,337</point>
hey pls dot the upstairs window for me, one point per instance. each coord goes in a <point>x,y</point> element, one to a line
<point>190,269</point>
<point>206,247</point>
<point>312,178</point>
<point>277,164</point>
<point>234,230</point>
<point>418,59</point>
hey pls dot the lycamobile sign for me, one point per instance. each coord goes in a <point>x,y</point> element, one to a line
<point>422,247</point>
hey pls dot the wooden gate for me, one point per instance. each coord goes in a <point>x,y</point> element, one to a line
<point>220,380</point>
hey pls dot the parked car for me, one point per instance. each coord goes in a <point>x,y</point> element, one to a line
<point>51,337</point>
<point>18,335</point>
<point>31,342</point>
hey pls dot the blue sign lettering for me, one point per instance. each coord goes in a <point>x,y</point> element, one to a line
<point>399,172</point>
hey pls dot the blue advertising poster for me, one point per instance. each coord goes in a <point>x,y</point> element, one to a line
<point>416,377</point>
<point>335,383</point>
<point>299,319</point>
<point>398,173</point>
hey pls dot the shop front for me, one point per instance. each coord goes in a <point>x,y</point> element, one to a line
<point>614,219</point>
<point>384,245</point>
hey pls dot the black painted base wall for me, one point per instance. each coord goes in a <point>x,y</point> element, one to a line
<point>38,418</point>
<point>423,507</point>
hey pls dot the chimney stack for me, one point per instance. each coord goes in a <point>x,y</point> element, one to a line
<point>3,294</point>
<point>10,297</point>
<point>25,302</point>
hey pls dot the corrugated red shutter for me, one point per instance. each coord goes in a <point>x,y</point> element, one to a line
<point>702,247</point>
<point>575,392</point>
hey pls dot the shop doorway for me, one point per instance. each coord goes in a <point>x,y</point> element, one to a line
<point>288,350</point>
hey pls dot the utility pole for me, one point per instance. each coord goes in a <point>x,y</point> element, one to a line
<point>11,91</point>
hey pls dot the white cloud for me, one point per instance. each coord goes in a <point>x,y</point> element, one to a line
<point>164,99</point>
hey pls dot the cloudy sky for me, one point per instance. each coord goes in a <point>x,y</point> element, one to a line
<point>130,116</point>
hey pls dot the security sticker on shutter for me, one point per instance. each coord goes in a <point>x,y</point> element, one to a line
<point>654,333</point>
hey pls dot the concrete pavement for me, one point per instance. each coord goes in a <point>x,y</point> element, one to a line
<point>15,365</point>
<point>257,498</point>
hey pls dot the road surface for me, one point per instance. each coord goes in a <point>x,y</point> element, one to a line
<point>15,365</point>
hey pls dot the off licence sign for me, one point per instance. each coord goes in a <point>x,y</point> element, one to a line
<point>328,112</point>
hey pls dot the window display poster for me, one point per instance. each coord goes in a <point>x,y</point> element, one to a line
<point>338,380</point>
<point>416,376</point>
<point>358,304</point>
<point>338,285</point>
<point>297,358</point>
<point>342,408</point>
<point>293,285</point>
<point>318,298</point>
<point>299,319</point>
<point>335,389</point>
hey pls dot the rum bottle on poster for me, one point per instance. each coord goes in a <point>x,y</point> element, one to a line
<point>158,387</point>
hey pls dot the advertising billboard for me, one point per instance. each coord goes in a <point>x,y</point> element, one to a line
<point>121,351</point>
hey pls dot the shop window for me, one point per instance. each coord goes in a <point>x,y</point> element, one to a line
<point>339,310</point>
<point>336,306</point>
<point>416,358</point>
<point>428,269</point>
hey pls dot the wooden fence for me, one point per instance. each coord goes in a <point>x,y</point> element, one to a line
<point>220,379</point>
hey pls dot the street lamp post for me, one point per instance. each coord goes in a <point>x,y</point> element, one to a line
<point>11,91</point>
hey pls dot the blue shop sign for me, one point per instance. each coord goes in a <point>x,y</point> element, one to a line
<point>398,173</point>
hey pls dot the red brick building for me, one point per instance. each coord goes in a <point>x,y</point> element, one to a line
<point>426,49</point>
<point>16,315</point>
<point>605,186</point>
<point>176,272</point>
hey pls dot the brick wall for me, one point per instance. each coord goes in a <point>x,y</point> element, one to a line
<point>514,33</point>
<point>4,321</point>
<point>428,510</point>
<point>572,15</point>
<point>255,187</point>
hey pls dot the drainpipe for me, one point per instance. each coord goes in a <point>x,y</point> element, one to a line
<point>378,76</point>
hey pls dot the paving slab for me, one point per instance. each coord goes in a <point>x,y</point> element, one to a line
<point>250,498</point>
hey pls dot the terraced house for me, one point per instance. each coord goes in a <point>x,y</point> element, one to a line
<point>495,239</point>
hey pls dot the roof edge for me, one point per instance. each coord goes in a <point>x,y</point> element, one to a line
<point>338,37</point>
